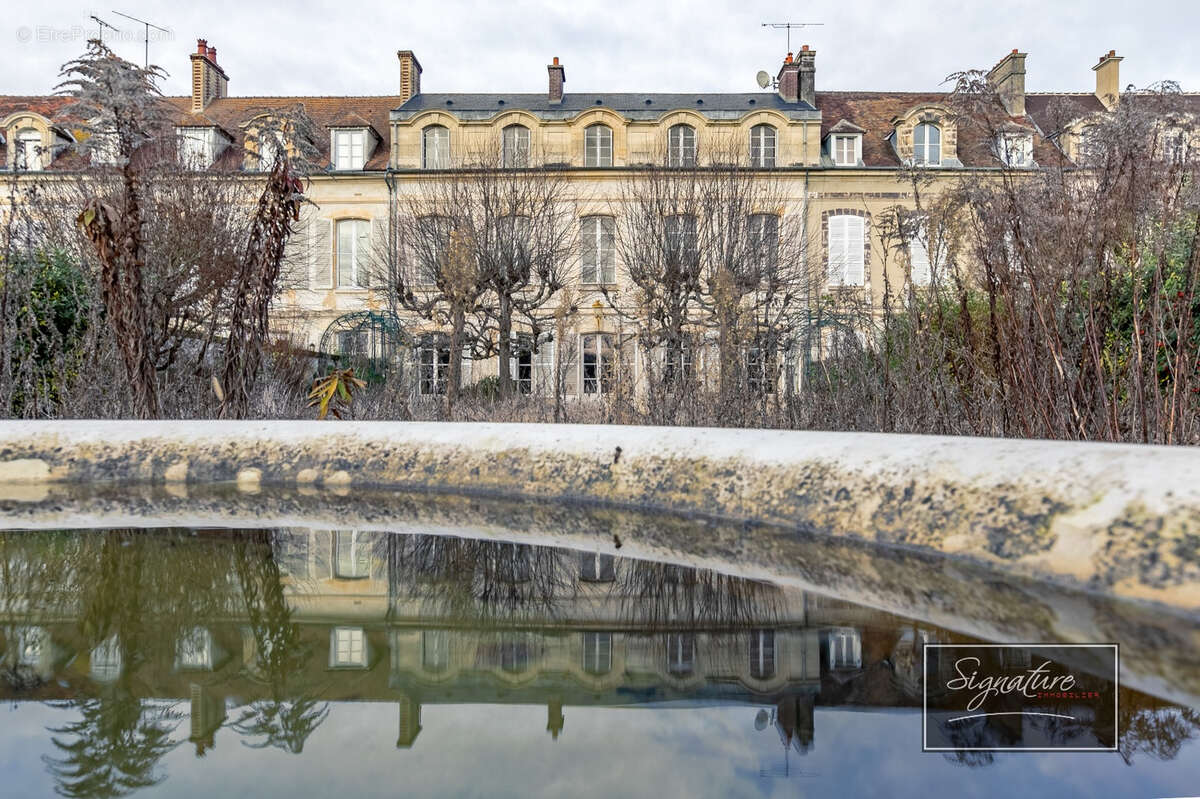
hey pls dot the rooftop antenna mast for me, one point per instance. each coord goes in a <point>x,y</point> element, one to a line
<point>103,25</point>
<point>148,25</point>
<point>787,26</point>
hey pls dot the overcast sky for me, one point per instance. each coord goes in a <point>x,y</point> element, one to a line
<point>346,48</point>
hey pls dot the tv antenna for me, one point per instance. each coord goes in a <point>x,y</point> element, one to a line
<point>103,25</point>
<point>787,26</point>
<point>148,25</point>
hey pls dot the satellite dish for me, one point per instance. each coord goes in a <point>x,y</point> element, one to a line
<point>764,79</point>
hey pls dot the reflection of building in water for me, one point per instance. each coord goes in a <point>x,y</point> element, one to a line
<point>421,620</point>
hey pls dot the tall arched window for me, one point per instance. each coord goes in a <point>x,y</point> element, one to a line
<point>597,146</point>
<point>681,146</point>
<point>762,146</point>
<point>435,147</point>
<point>927,144</point>
<point>514,146</point>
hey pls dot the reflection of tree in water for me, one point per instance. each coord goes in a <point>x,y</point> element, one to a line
<point>113,748</point>
<point>288,717</point>
<point>662,595</point>
<point>1154,727</point>
<point>1146,725</point>
<point>471,579</point>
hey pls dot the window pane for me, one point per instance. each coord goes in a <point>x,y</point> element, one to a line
<point>597,146</point>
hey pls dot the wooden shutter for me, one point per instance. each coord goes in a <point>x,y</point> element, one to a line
<point>837,250</point>
<point>918,258</point>
<point>855,245</point>
<point>589,272</point>
<point>321,251</point>
<point>568,364</point>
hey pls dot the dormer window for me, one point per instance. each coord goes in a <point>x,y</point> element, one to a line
<point>681,146</point>
<point>846,149</point>
<point>927,144</point>
<point>104,147</point>
<point>435,147</point>
<point>198,147</point>
<point>514,147</point>
<point>349,149</point>
<point>597,146</point>
<point>28,150</point>
<point>762,146</point>
<point>270,147</point>
<point>1015,149</point>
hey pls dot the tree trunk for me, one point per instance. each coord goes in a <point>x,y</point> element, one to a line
<point>504,330</point>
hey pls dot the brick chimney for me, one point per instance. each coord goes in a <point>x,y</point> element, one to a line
<point>808,75</point>
<point>788,80</point>
<point>209,81</point>
<point>1108,79</point>
<point>410,75</point>
<point>558,76</point>
<point>1007,78</point>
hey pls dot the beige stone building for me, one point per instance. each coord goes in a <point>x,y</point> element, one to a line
<point>840,156</point>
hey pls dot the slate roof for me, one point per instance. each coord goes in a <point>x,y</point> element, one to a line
<point>632,105</point>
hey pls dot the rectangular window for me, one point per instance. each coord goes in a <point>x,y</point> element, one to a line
<point>846,250</point>
<point>681,239</point>
<point>196,147</point>
<point>194,650</point>
<point>435,650</point>
<point>762,654</point>
<point>349,149</point>
<point>434,364</point>
<point>353,251</point>
<point>845,649</point>
<point>763,235</point>
<point>595,567</point>
<point>762,146</point>
<point>348,649</point>
<point>681,653</point>
<point>352,555</point>
<point>599,363</point>
<point>845,150</point>
<point>599,251</point>
<point>524,371</point>
<point>597,653</point>
<point>1015,149</point>
<point>762,369</point>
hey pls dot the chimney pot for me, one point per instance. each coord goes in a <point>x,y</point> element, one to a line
<point>212,54</point>
<point>555,60</point>
<point>202,46</point>
<point>804,47</point>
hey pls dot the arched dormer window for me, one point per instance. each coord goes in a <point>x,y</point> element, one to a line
<point>927,144</point>
<point>597,145</point>
<point>681,146</point>
<point>28,150</point>
<point>514,147</point>
<point>762,146</point>
<point>435,147</point>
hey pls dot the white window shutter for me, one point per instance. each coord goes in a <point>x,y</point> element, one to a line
<point>379,254</point>
<point>855,268</point>
<point>464,378</point>
<point>837,249</point>
<point>321,252</point>
<point>918,257</point>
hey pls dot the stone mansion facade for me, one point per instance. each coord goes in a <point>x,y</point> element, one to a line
<point>839,154</point>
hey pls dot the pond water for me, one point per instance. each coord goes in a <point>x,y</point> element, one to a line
<point>314,662</point>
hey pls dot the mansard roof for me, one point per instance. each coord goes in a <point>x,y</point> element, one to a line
<point>640,106</point>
